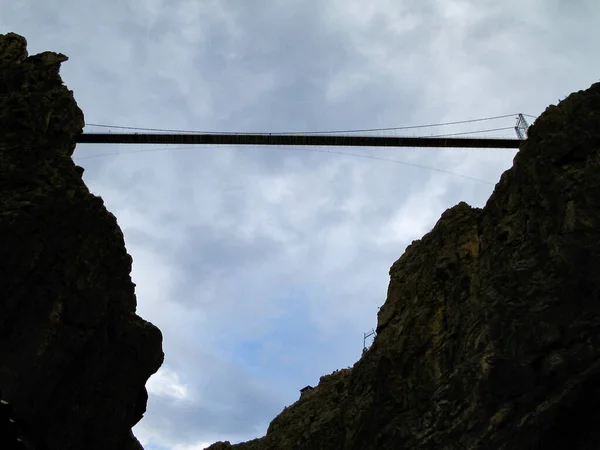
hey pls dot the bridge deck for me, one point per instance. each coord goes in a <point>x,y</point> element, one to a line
<point>295,139</point>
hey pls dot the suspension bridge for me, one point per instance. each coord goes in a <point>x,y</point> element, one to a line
<point>309,139</point>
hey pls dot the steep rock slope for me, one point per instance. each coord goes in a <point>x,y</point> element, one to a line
<point>490,334</point>
<point>74,356</point>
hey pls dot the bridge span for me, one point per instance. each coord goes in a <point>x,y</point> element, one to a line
<point>295,140</point>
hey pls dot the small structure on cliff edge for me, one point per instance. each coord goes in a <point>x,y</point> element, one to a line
<point>304,390</point>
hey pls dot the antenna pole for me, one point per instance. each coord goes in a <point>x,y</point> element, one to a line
<point>365,336</point>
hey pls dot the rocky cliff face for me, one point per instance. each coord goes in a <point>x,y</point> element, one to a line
<point>74,356</point>
<point>490,334</point>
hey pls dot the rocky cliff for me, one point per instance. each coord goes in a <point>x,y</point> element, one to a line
<point>74,356</point>
<point>490,334</point>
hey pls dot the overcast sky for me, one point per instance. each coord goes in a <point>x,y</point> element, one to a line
<point>264,267</point>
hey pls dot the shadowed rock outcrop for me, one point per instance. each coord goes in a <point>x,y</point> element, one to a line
<point>490,334</point>
<point>74,356</point>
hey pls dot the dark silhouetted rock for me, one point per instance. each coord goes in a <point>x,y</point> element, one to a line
<point>74,356</point>
<point>12,435</point>
<point>490,335</point>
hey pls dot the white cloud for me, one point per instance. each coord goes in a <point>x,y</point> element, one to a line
<point>145,12</point>
<point>415,217</point>
<point>166,383</point>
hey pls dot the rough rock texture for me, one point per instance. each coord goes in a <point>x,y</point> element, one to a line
<point>490,334</point>
<point>10,429</point>
<point>74,356</point>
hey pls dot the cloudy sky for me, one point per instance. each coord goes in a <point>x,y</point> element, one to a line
<point>263,267</point>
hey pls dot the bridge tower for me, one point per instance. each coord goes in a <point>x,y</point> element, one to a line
<point>521,127</point>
